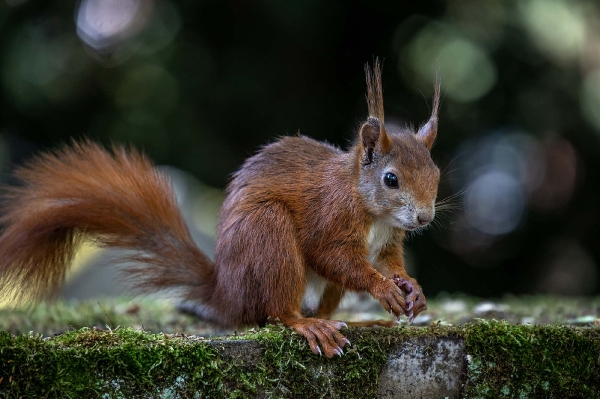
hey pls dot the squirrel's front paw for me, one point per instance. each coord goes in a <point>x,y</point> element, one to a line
<point>415,300</point>
<point>390,295</point>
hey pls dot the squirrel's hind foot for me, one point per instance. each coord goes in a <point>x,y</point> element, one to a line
<point>320,333</point>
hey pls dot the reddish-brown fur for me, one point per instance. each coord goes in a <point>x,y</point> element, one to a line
<point>297,205</point>
<point>119,200</point>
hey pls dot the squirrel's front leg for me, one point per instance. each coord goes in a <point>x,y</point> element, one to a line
<point>390,262</point>
<point>354,272</point>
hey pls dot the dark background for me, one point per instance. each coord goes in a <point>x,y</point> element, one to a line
<point>200,85</point>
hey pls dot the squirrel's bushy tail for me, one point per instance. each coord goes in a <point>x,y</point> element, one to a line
<point>116,198</point>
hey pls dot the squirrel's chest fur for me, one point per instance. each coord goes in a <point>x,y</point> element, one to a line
<point>380,234</point>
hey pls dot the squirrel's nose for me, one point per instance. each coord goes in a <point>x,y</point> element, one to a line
<point>424,218</point>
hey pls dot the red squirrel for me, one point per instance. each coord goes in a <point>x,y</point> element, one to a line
<point>298,214</point>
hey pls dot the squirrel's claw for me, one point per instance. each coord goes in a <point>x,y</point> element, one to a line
<point>320,334</point>
<point>415,300</point>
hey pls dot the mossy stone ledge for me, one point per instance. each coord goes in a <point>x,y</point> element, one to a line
<point>482,359</point>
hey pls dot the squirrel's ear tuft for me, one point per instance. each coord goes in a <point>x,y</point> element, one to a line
<point>373,136</point>
<point>428,131</point>
<point>374,90</point>
<point>374,139</point>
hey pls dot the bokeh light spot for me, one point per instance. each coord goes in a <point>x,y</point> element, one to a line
<point>495,203</point>
<point>102,22</point>
<point>557,28</point>
<point>466,69</point>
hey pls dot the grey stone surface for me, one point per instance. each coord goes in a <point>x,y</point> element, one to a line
<point>425,367</point>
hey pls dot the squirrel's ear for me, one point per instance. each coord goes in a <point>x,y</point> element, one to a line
<point>374,139</point>
<point>428,131</point>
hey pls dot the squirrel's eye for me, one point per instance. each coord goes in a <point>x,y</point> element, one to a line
<point>390,180</point>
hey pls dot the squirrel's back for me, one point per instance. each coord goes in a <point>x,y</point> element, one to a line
<point>286,166</point>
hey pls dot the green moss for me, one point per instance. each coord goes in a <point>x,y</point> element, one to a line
<point>525,361</point>
<point>504,361</point>
<point>127,363</point>
<point>290,369</point>
<point>123,364</point>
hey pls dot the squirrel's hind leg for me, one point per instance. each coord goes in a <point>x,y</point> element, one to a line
<point>260,270</point>
<point>282,284</point>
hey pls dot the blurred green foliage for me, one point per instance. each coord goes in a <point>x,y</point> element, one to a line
<point>201,85</point>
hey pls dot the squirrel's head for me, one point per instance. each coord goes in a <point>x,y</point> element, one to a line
<point>398,179</point>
